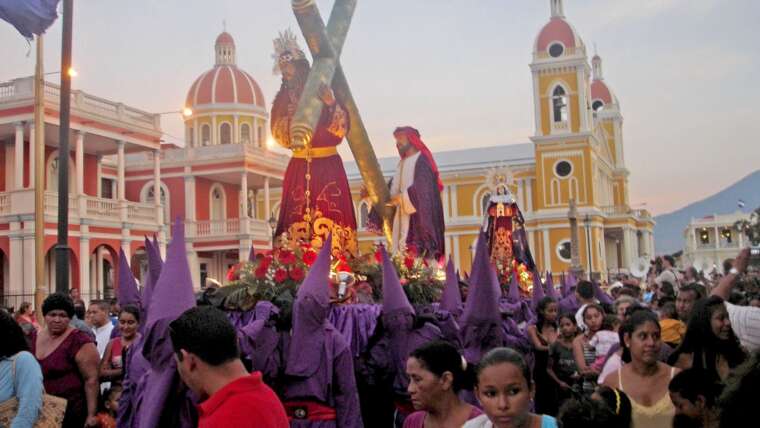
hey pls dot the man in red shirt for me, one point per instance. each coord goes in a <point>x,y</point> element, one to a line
<point>205,346</point>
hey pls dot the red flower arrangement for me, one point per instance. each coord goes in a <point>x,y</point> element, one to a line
<point>409,262</point>
<point>280,275</point>
<point>297,274</point>
<point>286,257</point>
<point>309,257</point>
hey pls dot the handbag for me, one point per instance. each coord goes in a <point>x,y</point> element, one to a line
<point>51,412</point>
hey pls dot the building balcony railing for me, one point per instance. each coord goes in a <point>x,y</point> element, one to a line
<point>216,152</point>
<point>22,90</point>
<point>625,211</point>
<point>21,202</point>
<point>232,228</point>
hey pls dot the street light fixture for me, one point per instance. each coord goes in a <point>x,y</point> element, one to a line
<point>587,223</point>
<point>272,226</point>
<point>72,72</point>
<point>186,112</point>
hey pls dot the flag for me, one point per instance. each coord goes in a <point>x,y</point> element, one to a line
<point>29,16</point>
<point>740,203</point>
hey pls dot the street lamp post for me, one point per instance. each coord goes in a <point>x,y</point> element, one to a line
<point>587,224</point>
<point>272,226</point>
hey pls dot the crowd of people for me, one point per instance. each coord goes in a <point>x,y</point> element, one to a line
<point>676,349</point>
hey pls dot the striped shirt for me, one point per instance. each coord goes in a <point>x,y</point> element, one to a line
<point>745,321</point>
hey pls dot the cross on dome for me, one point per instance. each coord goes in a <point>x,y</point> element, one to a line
<point>558,9</point>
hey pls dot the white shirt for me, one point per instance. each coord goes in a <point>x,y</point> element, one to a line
<point>103,336</point>
<point>402,180</point>
<point>579,318</point>
<point>745,321</point>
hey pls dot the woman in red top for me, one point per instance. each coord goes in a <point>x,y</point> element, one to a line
<point>69,361</point>
<point>112,364</point>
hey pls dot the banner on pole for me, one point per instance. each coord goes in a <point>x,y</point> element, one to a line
<point>29,16</point>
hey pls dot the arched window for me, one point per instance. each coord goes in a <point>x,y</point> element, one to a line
<point>225,133</point>
<point>148,196</point>
<point>217,202</point>
<point>556,195</point>
<point>559,104</point>
<point>205,135</point>
<point>245,133</point>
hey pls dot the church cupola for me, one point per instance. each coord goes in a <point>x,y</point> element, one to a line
<point>225,49</point>
<point>596,67</point>
<point>558,9</point>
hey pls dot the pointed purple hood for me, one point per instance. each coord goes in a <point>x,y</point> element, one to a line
<point>569,284</point>
<point>310,311</point>
<point>550,290</point>
<point>171,296</point>
<point>483,295</point>
<point>538,290</point>
<point>155,264</point>
<point>252,254</point>
<point>128,293</point>
<point>394,297</point>
<point>173,292</point>
<point>451,298</point>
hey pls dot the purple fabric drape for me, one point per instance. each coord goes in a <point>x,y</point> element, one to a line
<point>426,226</point>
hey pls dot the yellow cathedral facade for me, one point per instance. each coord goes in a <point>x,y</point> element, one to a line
<point>576,153</point>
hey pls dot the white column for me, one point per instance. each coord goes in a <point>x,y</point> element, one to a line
<point>536,103</point>
<point>80,162</point>
<point>15,257</point>
<point>125,244</point>
<point>582,103</point>
<point>28,258</point>
<point>190,198</point>
<point>31,155</point>
<point>244,195</point>
<point>8,167</point>
<point>192,260</point>
<point>18,176</point>
<point>445,202</point>
<point>85,285</point>
<point>717,238</point>
<point>214,136</point>
<point>454,202</point>
<point>120,169</point>
<point>99,288</point>
<point>255,133</point>
<point>267,202</point>
<point>547,250</point>
<point>528,195</point>
<point>196,136</point>
<point>157,186</point>
<point>235,130</point>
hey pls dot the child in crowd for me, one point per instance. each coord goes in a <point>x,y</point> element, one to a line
<point>562,367</point>
<point>604,340</point>
<point>109,406</point>
<point>504,388</point>
<point>672,328</point>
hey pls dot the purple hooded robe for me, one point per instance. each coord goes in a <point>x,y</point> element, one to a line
<point>161,397</point>
<point>319,365</point>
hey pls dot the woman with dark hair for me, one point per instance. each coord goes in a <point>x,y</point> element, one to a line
<point>20,375</point>
<point>112,364</point>
<point>618,403</point>
<point>69,361</point>
<point>505,389</point>
<point>437,372</point>
<point>542,335</point>
<point>709,343</point>
<point>642,376</point>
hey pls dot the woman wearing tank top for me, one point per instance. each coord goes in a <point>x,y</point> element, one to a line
<point>642,377</point>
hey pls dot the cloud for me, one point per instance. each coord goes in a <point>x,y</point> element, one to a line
<point>612,12</point>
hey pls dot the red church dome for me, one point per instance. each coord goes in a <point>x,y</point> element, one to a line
<point>225,83</point>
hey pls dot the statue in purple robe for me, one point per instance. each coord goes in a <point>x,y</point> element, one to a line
<point>416,194</point>
<point>319,384</point>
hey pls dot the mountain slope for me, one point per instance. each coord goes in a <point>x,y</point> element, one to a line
<point>668,232</point>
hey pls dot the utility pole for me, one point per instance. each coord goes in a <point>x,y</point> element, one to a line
<point>62,249</point>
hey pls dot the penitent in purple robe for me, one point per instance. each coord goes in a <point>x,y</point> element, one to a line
<point>319,365</point>
<point>481,321</point>
<point>260,342</point>
<point>387,358</point>
<point>160,398</point>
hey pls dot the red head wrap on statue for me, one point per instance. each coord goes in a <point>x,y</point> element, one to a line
<point>413,136</point>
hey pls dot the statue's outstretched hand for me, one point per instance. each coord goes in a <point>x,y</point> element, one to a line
<point>326,95</point>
